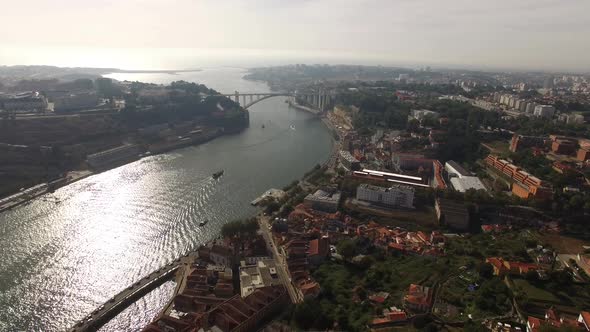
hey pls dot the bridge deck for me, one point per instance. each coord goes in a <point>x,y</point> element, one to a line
<point>119,302</point>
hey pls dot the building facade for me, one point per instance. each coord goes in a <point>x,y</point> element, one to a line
<point>395,196</point>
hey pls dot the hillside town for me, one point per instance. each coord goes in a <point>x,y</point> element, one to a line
<point>451,201</point>
<point>395,234</point>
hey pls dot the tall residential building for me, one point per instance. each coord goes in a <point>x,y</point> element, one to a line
<point>530,107</point>
<point>575,119</point>
<point>497,97</point>
<point>349,161</point>
<point>548,83</point>
<point>512,102</point>
<point>395,196</point>
<point>544,111</point>
<point>323,201</point>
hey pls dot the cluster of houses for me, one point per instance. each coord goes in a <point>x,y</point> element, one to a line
<point>305,239</point>
<point>418,299</point>
<point>553,319</point>
<point>398,240</point>
<point>503,267</point>
<point>206,298</point>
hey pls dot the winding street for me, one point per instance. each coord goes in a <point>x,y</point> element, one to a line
<point>280,260</point>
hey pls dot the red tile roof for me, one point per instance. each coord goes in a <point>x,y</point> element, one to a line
<point>534,324</point>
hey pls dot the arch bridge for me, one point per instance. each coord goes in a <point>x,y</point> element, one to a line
<point>318,101</point>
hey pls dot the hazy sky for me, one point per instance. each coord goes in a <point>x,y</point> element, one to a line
<point>495,33</point>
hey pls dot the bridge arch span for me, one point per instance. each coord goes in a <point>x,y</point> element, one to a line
<point>248,105</point>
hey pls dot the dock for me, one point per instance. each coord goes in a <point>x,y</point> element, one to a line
<point>272,193</point>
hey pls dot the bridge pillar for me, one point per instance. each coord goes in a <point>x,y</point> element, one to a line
<point>237,97</point>
<point>244,100</point>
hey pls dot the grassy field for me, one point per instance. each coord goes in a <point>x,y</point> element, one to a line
<point>422,219</point>
<point>507,245</point>
<point>564,244</point>
<point>342,283</point>
<point>497,147</point>
<point>535,297</point>
<point>535,293</point>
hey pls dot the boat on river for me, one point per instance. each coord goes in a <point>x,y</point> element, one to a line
<point>216,175</point>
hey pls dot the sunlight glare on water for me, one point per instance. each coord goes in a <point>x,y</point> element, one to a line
<point>62,260</point>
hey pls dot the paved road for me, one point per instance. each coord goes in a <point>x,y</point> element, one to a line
<point>117,303</point>
<point>280,261</point>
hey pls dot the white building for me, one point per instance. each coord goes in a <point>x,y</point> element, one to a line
<point>530,108</point>
<point>455,170</point>
<point>462,184</point>
<point>262,274</point>
<point>575,119</point>
<point>512,102</point>
<point>349,161</point>
<point>397,195</point>
<point>485,105</point>
<point>421,114</point>
<point>403,77</point>
<point>544,111</point>
<point>462,180</point>
<point>25,102</point>
<point>323,201</point>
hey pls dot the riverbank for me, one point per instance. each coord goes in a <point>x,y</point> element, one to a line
<point>300,107</point>
<point>187,259</point>
<point>97,240</point>
<point>27,195</point>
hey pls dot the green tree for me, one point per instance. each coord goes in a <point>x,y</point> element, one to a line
<point>306,314</point>
<point>485,270</point>
<point>347,248</point>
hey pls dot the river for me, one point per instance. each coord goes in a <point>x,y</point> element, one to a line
<point>67,252</point>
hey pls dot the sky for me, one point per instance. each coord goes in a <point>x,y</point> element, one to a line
<point>525,34</point>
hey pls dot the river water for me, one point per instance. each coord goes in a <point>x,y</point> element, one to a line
<point>64,254</point>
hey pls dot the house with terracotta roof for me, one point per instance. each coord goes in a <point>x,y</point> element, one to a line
<point>418,298</point>
<point>554,319</point>
<point>584,319</point>
<point>379,297</point>
<point>221,255</point>
<point>391,317</point>
<point>234,314</point>
<point>318,250</point>
<point>503,267</point>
